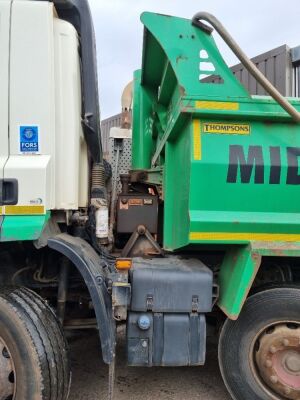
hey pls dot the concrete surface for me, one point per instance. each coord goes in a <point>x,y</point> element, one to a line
<point>90,376</point>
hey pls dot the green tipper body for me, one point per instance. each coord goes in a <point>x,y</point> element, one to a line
<point>229,162</point>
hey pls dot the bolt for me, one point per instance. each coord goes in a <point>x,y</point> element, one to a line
<point>272,349</point>
<point>285,342</point>
<point>274,379</point>
<point>293,363</point>
<point>144,344</point>
<point>99,280</point>
<point>268,364</point>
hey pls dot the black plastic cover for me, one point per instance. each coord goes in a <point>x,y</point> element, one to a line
<point>172,340</point>
<point>9,192</point>
<point>171,285</point>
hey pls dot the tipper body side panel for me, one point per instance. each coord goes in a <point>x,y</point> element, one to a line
<point>229,161</point>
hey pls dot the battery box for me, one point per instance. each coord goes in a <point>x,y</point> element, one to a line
<point>166,325</point>
<point>136,209</point>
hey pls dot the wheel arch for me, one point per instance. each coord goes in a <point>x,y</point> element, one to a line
<point>89,265</point>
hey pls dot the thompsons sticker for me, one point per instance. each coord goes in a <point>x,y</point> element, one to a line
<point>224,128</point>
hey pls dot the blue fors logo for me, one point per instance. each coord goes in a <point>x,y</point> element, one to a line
<point>29,139</point>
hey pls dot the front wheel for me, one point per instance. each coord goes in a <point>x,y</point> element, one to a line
<point>33,356</point>
<point>259,354</point>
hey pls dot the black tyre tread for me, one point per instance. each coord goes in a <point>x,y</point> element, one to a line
<point>47,339</point>
<point>283,296</point>
<point>37,345</point>
<point>44,340</point>
<point>50,343</point>
<point>57,339</point>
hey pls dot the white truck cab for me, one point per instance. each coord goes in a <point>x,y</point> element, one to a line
<point>42,141</point>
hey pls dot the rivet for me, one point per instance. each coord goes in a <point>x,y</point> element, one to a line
<point>274,379</point>
<point>272,349</point>
<point>286,342</point>
<point>287,390</point>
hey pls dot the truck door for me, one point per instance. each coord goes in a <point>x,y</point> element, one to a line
<point>5,10</point>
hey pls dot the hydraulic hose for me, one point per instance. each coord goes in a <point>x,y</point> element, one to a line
<point>245,60</point>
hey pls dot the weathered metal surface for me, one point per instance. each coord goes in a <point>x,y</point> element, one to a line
<point>7,373</point>
<point>142,244</point>
<point>240,267</point>
<point>151,176</point>
<point>121,291</point>
<point>134,209</point>
<point>225,156</point>
<point>278,359</point>
<point>237,274</point>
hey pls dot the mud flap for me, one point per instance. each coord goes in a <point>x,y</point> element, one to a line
<point>90,266</point>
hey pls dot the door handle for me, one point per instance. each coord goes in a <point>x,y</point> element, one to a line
<point>9,192</point>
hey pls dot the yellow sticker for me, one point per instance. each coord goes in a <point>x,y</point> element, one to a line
<point>217,105</point>
<point>197,139</point>
<point>226,129</point>
<point>25,210</point>
<point>244,237</point>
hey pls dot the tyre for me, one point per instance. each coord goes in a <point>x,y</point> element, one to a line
<point>34,362</point>
<point>259,354</point>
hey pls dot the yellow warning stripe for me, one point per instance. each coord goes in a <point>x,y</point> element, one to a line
<point>197,139</point>
<point>217,105</point>
<point>247,237</point>
<point>22,210</point>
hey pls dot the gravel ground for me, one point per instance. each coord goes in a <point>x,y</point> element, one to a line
<point>90,376</point>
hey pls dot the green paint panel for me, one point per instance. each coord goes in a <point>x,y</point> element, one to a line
<point>250,206</point>
<point>218,188</point>
<point>236,276</point>
<point>239,269</point>
<point>19,228</point>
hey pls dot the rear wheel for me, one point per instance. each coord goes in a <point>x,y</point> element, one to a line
<point>259,353</point>
<point>33,355</point>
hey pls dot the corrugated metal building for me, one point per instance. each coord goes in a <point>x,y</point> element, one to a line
<point>281,66</point>
<point>106,126</point>
<point>296,71</point>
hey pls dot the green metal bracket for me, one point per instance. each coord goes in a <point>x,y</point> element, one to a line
<point>237,274</point>
<point>239,269</point>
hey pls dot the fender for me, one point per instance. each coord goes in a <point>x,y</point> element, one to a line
<point>89,264</point>
<point>239,269</point>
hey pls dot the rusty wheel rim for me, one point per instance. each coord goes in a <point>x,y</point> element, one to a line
<point>276,360</point>
<point>7,373</point>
